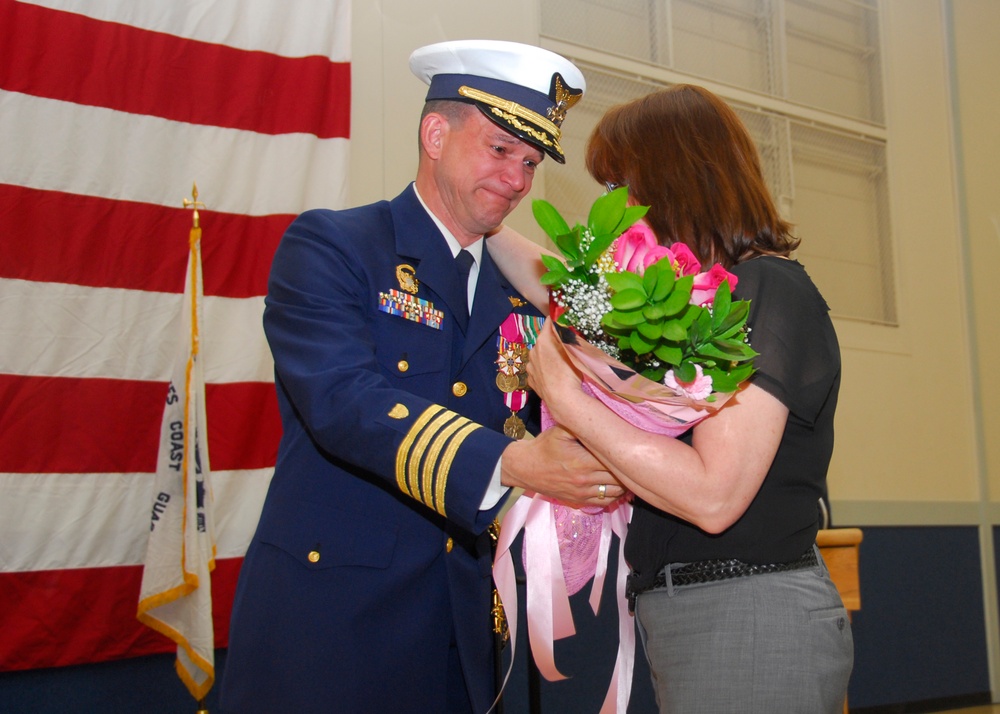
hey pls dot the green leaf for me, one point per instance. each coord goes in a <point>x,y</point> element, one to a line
<point>598,246</point>
<point>653,313</point>
<point>723,351</point>
<point>552,263</point>
<point>685,372</point>
<point>619,282</point>
<point>569,244</point>
<point>734,321</point>
<point>668,354</point>
<point>675,302</point>
<point>548,218</point>
<point>654,373</point>
<point>665,280</point>
<point>650,331</point>
<point>674,331</point>
<point>628,299</point>
<point>607,212</point>
<point>640,345</point>
<point>649,278</point>
<point>701,327</point>
<point>722,382</point>
<point>631,215</point>
<point>740,351</point>
<point>721,304</point>
<point>626,318</point>
<point>557,273</point>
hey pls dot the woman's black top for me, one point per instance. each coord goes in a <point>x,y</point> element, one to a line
<point>798,363</point>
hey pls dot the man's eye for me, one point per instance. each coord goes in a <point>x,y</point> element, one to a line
<point>500,149</point>
<point>531,164</point>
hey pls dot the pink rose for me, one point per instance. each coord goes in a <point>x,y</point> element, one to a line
<point>700,388</point>
<point>637,248</point>
<point>705,284</point>
<point>684,261</point>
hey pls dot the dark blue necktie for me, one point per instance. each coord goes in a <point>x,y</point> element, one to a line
<point>464,262</point>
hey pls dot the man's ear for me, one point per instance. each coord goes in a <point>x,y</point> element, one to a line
<point>433,130</point>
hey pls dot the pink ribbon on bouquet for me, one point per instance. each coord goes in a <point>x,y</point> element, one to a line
<point>547,606</point>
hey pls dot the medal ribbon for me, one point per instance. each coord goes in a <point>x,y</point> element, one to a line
<point>518,334</point>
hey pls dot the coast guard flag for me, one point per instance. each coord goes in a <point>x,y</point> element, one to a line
<point>176,594</point>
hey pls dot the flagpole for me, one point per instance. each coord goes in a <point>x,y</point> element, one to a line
<point>194,239</point>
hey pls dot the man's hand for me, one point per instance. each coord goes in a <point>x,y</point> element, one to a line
<point>555,464</point>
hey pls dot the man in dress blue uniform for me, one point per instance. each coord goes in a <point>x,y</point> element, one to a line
<point>367,585</point>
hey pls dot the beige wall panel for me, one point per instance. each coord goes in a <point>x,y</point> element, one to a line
<point>904,430</point>
<point>977,56</point>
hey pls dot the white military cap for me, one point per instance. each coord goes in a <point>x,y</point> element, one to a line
<point>522,88</point>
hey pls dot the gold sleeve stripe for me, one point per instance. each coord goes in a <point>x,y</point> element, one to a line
<point>449,456</point>
<point>402,455</point>
<point>430,463</point>
<point>416,489</point>
<point>427,452</point>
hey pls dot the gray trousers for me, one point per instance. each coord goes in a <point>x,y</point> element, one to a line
<point>775,643</point>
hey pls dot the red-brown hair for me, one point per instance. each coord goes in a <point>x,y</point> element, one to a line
<point>685,153</point>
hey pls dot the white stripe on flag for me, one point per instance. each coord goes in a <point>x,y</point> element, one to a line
<point>61,330</point>
<point>307,27</point>
<point>94,520</point>
<point>248,172</point>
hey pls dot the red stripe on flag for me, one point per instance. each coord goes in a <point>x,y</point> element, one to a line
<point>49,236</point>
<point>62,55</point>
<point>54,618</point>
<point>69,425</point>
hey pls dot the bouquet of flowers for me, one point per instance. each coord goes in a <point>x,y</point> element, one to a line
<point>650,307</point>
<point>660,342</point>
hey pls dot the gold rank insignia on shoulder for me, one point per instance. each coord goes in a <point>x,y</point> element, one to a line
<point>407,277</point>
<point>516,301</point>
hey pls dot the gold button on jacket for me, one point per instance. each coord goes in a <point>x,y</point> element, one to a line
<point>449,545</point>
<point>459,389</point>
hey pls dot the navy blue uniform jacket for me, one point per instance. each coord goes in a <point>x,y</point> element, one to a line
<point>370,557</point>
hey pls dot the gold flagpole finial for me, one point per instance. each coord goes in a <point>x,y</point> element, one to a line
<point>194,203</point>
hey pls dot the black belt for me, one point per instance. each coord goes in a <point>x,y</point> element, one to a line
<point>708,571</point>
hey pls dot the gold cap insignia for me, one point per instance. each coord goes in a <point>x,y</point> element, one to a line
<point>564,98</point>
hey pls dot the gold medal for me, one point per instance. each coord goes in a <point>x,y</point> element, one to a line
<point>514,427</point>
<point>507,383</point>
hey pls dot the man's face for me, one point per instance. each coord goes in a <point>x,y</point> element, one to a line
<point>483,173</point>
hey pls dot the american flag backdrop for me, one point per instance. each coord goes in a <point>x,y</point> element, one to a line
<point>110,110</point>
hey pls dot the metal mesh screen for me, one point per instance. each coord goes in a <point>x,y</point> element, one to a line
<point>831,185</point>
